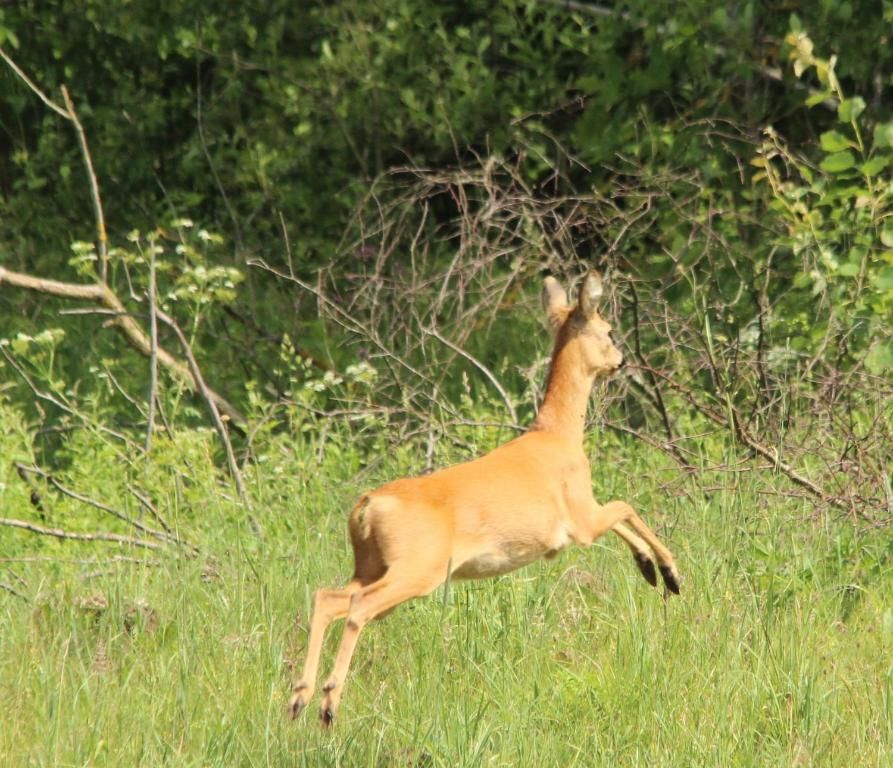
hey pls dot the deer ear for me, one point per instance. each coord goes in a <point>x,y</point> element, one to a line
<point>554,300</point>
<point>591,290</point>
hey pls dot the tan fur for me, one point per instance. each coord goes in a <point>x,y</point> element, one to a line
<point>527,499</point>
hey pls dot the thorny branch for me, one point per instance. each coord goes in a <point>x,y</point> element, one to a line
<point>503,235</point>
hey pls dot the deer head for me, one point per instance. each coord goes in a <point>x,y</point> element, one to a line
<point>583,336</point>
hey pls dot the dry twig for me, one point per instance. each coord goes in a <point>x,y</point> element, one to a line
<point>153,351</point>
<point>207,395</point>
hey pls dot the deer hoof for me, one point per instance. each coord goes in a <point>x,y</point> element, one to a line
<point>326,716</point>
<point>296,705</point>
<point>646,566</point>
<point>670,578</point>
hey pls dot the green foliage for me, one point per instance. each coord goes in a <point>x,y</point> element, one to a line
<point>250,119</point>
<point>836,222</point>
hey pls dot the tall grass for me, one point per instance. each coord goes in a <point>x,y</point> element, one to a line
<point>778,652</point>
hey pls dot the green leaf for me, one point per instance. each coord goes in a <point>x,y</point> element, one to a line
<point>880,358</point>
<point>887,235</point>
<point>884,279</point>
<point>875,165</point>
<point>887,624</point>
<point>850,109</point>
<point>839,161</point>
<point>818,98</point>
<point>7,34</point>
<point>883,135</point>
<point>848,269</point>
<point>832,141</point>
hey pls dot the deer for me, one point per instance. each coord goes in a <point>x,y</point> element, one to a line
<point>529,498</point>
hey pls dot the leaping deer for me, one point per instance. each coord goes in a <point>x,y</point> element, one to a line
<point>527,499</point>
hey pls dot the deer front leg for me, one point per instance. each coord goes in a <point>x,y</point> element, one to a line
<point>641,552</point>
<point>608,516</point>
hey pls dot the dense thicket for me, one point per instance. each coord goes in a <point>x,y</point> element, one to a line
<point>409,168</point>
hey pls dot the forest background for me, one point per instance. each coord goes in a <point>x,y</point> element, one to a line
<point>254,259</point>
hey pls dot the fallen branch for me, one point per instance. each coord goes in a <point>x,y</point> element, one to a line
<point>80,560</point>
<point>165,536</point>
<point>58,533</point>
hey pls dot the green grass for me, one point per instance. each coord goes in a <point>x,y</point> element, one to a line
<point>778,652</point>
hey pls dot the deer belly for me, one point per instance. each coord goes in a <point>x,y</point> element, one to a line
<point>507,556</point>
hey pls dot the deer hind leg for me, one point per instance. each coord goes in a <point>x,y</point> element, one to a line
<point>607,517</point>
<point>397,586</point>
<point>328,605</point>
<point>332,604</point>
<point>641,552</point>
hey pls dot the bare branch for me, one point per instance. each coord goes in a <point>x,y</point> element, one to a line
<point>52,287</point>
<point>767,453</point>
<point>124,322</point>
<point>151,508</point>
<point>153,350</point>
<point>101,234</point>
<point>30,83</point>
<point>212,409</point>
<point>481,367</point>
<point>6,587</point>
<point>161,535</point>
<point>69,114</point>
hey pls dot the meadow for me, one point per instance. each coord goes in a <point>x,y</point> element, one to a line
<point>777,652</point>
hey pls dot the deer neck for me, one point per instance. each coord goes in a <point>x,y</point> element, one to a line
<point>563,409</point>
